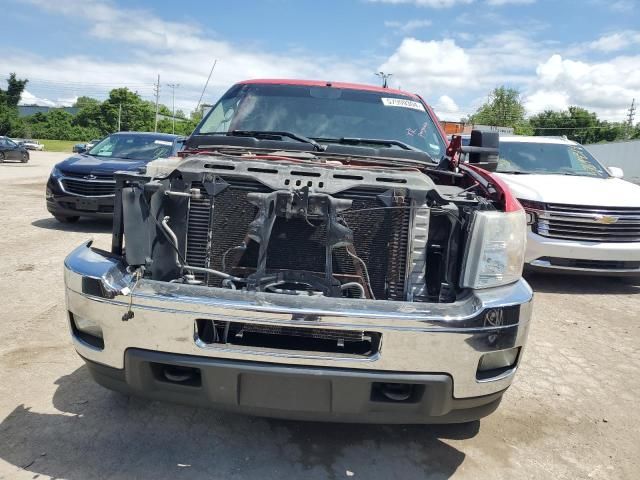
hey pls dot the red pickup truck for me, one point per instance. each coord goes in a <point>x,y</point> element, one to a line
<point>316,253</point>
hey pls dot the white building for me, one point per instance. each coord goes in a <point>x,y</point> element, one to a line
<point>625,155</point>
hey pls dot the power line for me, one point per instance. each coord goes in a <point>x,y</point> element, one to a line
<point>173,87</point>
<point>575,128</point>
<point>206,84</point>
<point>74,82</point>
<point>157,93</point>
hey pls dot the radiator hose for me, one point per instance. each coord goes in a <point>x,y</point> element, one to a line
<point>174,242</point>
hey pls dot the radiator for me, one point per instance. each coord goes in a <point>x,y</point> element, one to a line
<point>216,226</point>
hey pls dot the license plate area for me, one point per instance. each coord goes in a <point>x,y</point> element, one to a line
<point>87,204</point>
<point>293,393</point>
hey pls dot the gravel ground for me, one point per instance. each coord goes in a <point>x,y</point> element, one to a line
<point>570,414</point>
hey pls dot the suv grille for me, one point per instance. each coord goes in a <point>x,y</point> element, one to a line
<point>95,176</point>
<point>591,224</point>
<point>89,188</point>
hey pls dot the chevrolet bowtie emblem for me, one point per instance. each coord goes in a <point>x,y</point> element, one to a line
<point>606,219</point>
<point>90,177</point>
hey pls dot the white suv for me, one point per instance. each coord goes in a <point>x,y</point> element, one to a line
<point>583,217</point>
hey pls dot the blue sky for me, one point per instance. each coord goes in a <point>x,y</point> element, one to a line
<point>453,52</point>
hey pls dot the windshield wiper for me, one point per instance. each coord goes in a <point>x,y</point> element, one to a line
<point>272,133</point>
<point>371,141</point>
<point>575,174</point>
<point>513,172</point>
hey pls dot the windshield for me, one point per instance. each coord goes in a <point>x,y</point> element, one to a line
<point>325,114</point>
<point>133,147</point>
<point>548,158</point>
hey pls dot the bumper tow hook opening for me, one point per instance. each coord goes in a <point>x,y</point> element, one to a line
<point>396,392</point>
<point>177,374</point>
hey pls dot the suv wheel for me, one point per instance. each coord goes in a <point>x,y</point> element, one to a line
<point>1,157</point>
<point>25,157</point>
<point>62,219</point>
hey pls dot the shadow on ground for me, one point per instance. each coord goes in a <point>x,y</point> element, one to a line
<point>99,434</point>
<point>84,225</point>
<point>583,284</point>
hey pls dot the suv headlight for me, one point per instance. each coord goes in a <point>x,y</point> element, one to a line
<point>495,250</point>
<point>56,173</point>
<point>532,209</point>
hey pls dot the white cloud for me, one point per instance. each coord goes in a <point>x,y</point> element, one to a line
<point>547,80</point>
<point>426,3</point>
<point>180,52</point>
<point>616,41</point>
<point>409,26</point>
<point>28,98</point>
<point>427,66</point>
<point>435,67</point>
<point>618,5</point>
<point>499,3</point>
<point>605,87</point>
<point>447,109</point>
<point>440,69</point>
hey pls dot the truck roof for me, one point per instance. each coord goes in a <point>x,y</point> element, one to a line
<point>326,83</point>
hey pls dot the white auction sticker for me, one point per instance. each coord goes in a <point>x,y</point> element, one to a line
<point>162,142</point>
<point>401,102</point>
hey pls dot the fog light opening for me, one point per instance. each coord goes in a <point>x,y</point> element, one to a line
<point>87,331</point>
<point>494,364</point>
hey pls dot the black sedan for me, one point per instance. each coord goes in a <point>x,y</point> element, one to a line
<point>83,185</point>
<point>10,150</point>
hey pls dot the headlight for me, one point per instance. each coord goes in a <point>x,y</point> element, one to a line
<point>495,251</point>
<point>56,173</point>
<point>532,208</point>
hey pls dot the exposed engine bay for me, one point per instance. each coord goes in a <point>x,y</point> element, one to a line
<point>296,224</point>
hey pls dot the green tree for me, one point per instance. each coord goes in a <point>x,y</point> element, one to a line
<point>86,102</point>
<point>11,96</point>
<point>504,108</point>
<point>183,127</point>
<point>135,114</point>
<point>10,122</point>
<point>577,124</point>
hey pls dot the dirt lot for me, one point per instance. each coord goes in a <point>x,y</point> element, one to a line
<point>572,413</point>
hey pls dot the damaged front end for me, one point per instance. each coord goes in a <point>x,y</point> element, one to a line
<point>294,228</point>
<point>304,288</point>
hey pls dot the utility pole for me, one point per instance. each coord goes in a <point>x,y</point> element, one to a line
<point>119,115</point>
<point>156,90</point>
<point>173,87</point>
<point>385,78</point>
<point>630,117</point>
<point>206,84</point>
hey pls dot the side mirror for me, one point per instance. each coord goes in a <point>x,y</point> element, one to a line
<point>616,172</point>
<point>483,149</point>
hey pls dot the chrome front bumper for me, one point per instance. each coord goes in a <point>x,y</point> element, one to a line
<point>417,338</point>
<point>540,248</point>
